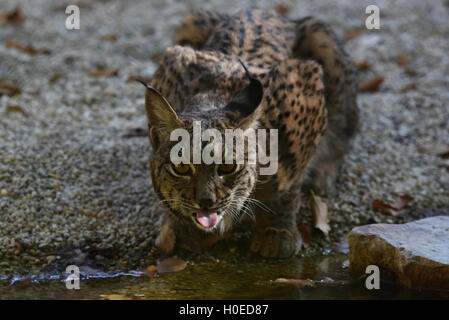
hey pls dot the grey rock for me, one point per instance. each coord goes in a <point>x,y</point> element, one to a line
<point>415,253</point>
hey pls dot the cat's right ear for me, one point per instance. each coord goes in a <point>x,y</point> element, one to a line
<point>162,119</point>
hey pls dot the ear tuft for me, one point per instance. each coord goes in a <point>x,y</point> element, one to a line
<point>162,119</point>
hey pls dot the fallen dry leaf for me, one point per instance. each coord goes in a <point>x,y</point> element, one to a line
<point>55,77</point>
<point>403,60</point>
<point>9,88</point>
<point>436,149</point>
<point>133,78</point>
<point>362,65</point>
<point>15,17</point>
<point>409,87</point>
<point>109,37</point>
<point>171,265</point>
<point>282,9</point>
<point>395,209</point>
<point>371,85</point>
<point>150,271</point>
<point>25,49</point>
<point>319,214</point>
<point>15,108</point>
<point>353,33</point>
<point>156,57</point>
<point>297,282</point>
<point>401,202</point>
<point>103,73</point>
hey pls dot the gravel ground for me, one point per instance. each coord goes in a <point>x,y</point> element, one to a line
<point>70,178</point>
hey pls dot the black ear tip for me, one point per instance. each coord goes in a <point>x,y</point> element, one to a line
<point>249,75</point>
<point>146,85</point>
<point>143,82</point>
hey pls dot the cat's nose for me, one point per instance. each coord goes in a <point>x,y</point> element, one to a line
<point>206,203</point>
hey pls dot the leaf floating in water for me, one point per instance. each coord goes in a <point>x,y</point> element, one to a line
<point>371,85</point>
<point>319,214</point>
<point>171,265</point>
<point>15,17</point>
<point>297,282</point>
<point>150,271</point>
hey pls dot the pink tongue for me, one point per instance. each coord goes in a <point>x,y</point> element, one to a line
<point>207,220</point>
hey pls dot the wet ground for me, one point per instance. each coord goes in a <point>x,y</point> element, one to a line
<point>228,277</point>
<point>74,179</point>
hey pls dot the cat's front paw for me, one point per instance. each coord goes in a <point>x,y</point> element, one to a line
<point>276,243</point>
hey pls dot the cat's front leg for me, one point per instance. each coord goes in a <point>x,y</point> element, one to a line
<point>275,233</point>
<point>166,240</point>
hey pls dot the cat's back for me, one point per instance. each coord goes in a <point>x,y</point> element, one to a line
<point>259,37</point>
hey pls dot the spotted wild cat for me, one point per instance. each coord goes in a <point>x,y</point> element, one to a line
<point>299,80</point>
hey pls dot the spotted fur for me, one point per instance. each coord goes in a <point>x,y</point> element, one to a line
<point>309,94</point>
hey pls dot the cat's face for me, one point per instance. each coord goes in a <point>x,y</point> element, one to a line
<point>212,197</point>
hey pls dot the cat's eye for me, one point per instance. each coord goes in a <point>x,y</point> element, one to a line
<point>224,169</point>
<point>181,169</point>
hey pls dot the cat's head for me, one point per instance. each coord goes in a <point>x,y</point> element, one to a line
<point>209,196</point>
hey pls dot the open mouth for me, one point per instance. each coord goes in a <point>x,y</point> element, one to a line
<point>207,220</point>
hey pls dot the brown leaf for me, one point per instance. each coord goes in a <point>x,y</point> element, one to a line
<point>383,207</point>
<point>409,87</point>
<point>109,37</point>
<point>297,282</point>
<point>395,209</point>
<point>156,57</point>
<point>15,108</point>
<point>150,271</point>
<point>306,235</point>
<point>403,60</point>
<point>371,85</point>
<point>282,9</point>
<point>171,265</point>
<point>319,214</point>
<point>55,77</point>
<point>353,33</point>
<point>436,149</point>
<point>103,73</point>
<point>15,17</point>
<point>9,88</point>
<point>25,49</point>
<point>401,202</point>
<point>133,78</point>
<point>362,65</point>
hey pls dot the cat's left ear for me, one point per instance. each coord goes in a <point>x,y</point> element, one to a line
<point>247,102</point>
<point>162,119</point>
